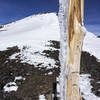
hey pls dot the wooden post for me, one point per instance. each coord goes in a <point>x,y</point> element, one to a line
<point>75,41</point>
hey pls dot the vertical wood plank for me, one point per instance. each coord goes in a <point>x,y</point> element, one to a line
<point>75,41</point>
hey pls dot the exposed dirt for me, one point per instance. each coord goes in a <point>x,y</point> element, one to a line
<point>37,82</point>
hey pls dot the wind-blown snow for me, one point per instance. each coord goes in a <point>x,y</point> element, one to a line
<point>86,87</point>
<point>34,33</point>
<point>34,56</point>
<point>92,45</point>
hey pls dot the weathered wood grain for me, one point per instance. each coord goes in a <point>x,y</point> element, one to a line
<point>75,41</point>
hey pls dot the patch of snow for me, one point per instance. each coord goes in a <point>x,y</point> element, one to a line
<point>14,56</point>
<point>58,90</point>
<point>34,56</point>
<point>58,87</point>
<point>99,90</point>
<point>98,82</point>
<point>9,87</point>
<point>19,78</point>
<point>42,97</point>
<point>27,56</point>
<point>86,87</point>
<point>50,73</point>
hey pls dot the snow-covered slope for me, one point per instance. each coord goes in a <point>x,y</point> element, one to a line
<point>33,33</point>
<point>92,44</point>
<point>30,30</point>
<point>34,29</point>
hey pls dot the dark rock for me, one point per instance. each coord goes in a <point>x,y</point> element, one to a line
<point>1,26</point>
<point>55,44</point>
<point>90,65</point>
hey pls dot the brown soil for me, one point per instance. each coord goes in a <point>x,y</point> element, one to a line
<point>37,79</point>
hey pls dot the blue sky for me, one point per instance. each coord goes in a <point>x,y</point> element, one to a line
<point>92,16</point>
<point>12,10</point>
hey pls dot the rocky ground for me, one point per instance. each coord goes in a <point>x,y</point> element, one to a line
<point>98,36</point>
<point>90,65</point>
<point>36,81</point>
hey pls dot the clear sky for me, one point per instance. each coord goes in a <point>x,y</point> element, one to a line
<point>92,16</point>
<point>12,10</point>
